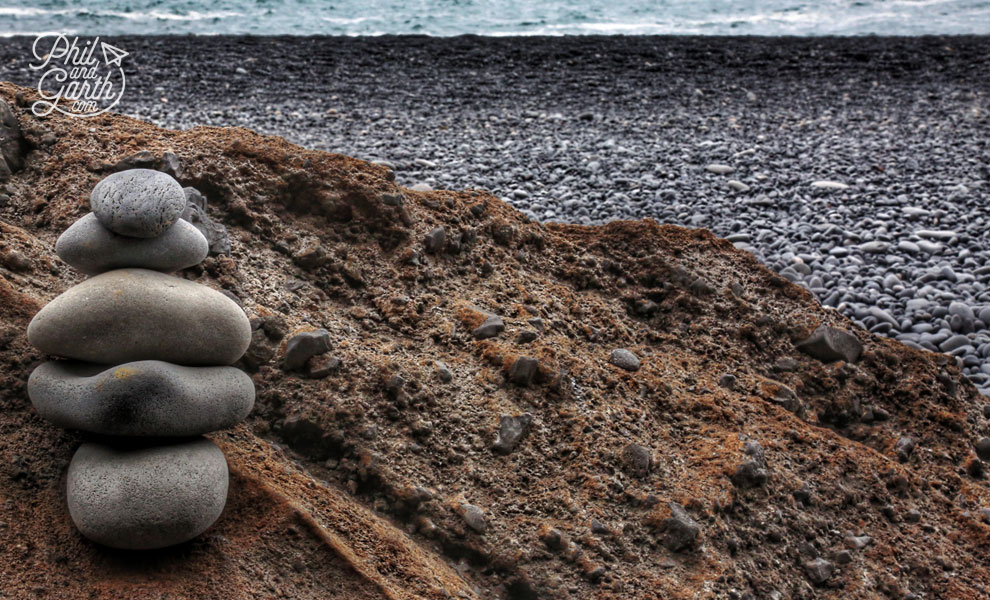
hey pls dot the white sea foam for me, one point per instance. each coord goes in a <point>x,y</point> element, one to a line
<point>504,17</point>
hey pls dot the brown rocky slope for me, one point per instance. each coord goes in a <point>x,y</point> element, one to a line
<point>378,477</point>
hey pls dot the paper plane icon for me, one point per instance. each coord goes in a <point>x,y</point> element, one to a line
<point>113,51</point>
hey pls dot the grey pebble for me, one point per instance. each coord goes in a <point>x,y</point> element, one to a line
<point>144,398</point>
<point>523,370</point>
<point>719,169</point>
<point>819,570</point>
<point>511,431</point>
<point>303,346</point>
<point>829,344</point>
<point>146,497</point>
<point>136,314</point>
<point>491,327</point>
<point>624,359</point>
<point>982,447</point>
<point>138,202</point>
<point>473,516</point>
<point>681,532</point>
<point>91,248</point>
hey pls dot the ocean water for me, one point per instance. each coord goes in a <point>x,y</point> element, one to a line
<point>496,17</point>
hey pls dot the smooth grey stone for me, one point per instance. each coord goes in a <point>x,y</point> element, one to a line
<point>136,314</point>
<point>91,248</point>
<point>909,247</point>
<point>139,498</point>
<point>829,185</point>
<point>719,169</point>
<point>956,341</point>
<point>874,247</point>
<point>138,202</point>
<point>962,310</point>
<point>829,344</point>
<point>982,448</point>
<point>144,398</point>
<point>935,235</point>
<point>624,359</point>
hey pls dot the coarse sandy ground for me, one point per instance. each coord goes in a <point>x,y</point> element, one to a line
<point>379,479</point>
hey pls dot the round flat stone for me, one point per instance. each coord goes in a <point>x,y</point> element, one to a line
<point>139,498</point>
<point>91,248</point>
<point>144,398</point>
<point>138,202</point>
<point>136,314</point>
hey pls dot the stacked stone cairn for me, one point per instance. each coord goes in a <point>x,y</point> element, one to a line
<point>147,371</point>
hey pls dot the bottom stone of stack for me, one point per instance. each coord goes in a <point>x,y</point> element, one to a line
<point>145,497</point>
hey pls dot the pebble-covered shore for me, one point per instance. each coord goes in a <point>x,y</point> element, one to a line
<point>857,167</point>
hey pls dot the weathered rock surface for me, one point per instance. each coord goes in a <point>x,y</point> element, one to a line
<point>195,213</point>
<point>12,144</point>
<point>136,314</point>
<point>138,202</point>
<point>511,431</point>
<point>144,398</point>
<point>91,248</point>
<point>829,344</point>
<point>305,345</point>
<point>146,497</point>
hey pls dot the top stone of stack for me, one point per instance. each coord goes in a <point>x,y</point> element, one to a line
<point>136,223</point>
<point>138,203</point>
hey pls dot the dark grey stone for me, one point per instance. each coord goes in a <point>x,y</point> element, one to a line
<point>13,147</point>
<point>491,327</point>
<point>136,314</point>
<point>473,516</point>
<point>982,447</point>
<point>904,448</point>
<point>511,431</point>
<point>303,346</point>
<point>91,248</point>
<point>638,460</point>
<point>435,240</point>
<point>195,213</point>
<point>728,381</point>
<point>624,359</point>
<point>954,342</point>
<point>523,370</point>
<point>138,202</point>
<point>144,398</point>
<point>681,532</point>
<point>818,570</point>
<point>139,498</point>
<point>829,344</point>
<point>443,372</point>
